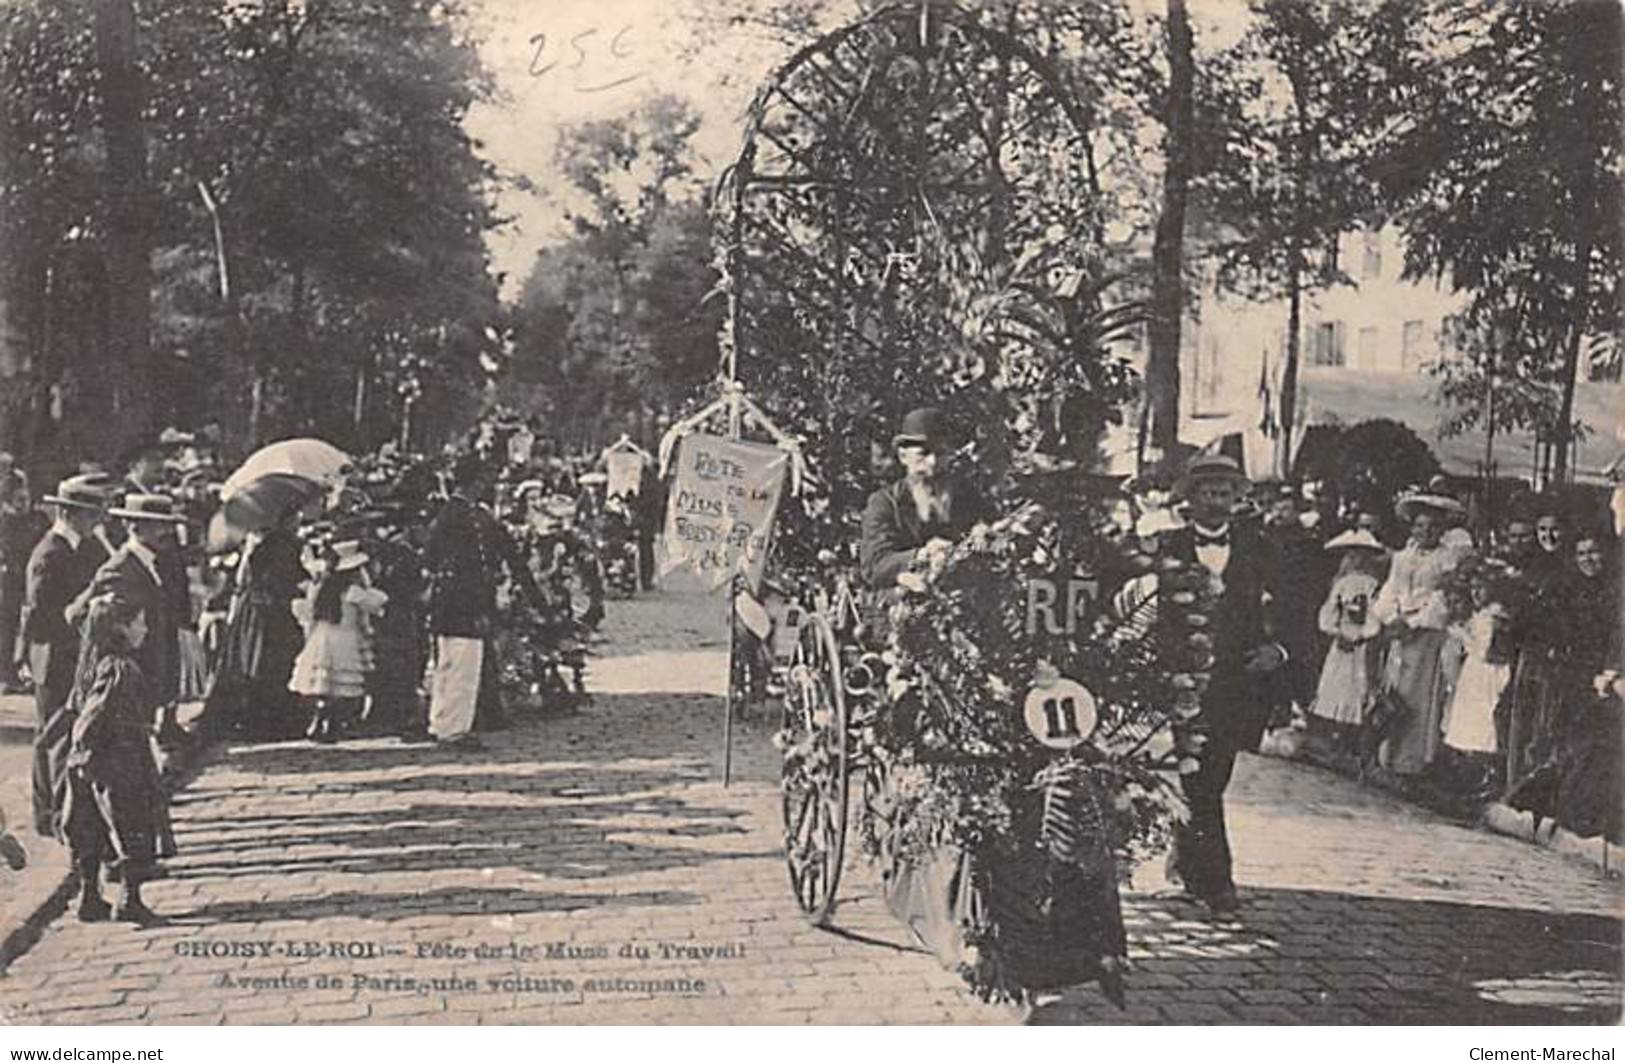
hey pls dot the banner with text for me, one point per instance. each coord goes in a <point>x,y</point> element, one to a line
<point>720,517</point>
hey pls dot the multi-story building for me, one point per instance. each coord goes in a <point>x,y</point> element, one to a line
<point>1365,349</point>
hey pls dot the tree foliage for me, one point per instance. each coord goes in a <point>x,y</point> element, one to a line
<point>1369,463</point>
<point>1504,170</point>
<point>327,136</point>
<point>614,323</point>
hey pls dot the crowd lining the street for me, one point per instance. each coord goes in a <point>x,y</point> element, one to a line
<point>1459,665</point>
<point>467,576</point>
<point>1432,659</point>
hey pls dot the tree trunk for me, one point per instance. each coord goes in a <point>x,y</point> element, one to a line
<point>1167,254</point>
<point>1589,85</point>
<point>1289,368</point>
<point>1294,329</point>
<point>129,263</point>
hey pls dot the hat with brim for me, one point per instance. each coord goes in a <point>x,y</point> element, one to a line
<point>924,427</point>
<point>85,491</point>
<point>1355,539</point>
<point>160,508</point>
<point>348,555</point>
<point>1208,467</point>
<point>1409,505</point>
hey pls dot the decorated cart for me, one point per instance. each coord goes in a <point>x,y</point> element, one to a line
<point>915,219</point>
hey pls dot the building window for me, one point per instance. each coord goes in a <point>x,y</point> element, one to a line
<point>1368,348</point>
<point>1326,344</point>
<point>1371,260</point>
<point>1410,351</point>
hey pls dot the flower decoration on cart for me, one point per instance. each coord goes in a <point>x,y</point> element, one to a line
<point>1042,692</point>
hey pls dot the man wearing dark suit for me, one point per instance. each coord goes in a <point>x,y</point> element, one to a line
<point>466,553</point>
<point>135,573</point>
<point>923,507</point>
<point>59,569</point>
<point>1245,573</point>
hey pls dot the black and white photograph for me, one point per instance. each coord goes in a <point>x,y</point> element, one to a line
<point>628,513</point>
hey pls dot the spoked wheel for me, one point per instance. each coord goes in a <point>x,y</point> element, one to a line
<point>816,766</point>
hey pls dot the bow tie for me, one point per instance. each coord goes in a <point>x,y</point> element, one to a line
<point>1207,538</point>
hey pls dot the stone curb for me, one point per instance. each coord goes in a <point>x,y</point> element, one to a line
<point>48,883</point>
<point>1602,854</point>
<point>1495,816</point>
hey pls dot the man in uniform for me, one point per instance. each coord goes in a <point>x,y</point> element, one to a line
<point>59,569</point>
<point>1244,573</point>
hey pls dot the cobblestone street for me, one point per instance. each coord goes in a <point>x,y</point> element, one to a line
<point>593,869</point>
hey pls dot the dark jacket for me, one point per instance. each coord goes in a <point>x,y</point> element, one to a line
<point>57,574</point>
<point>466,554</point>
<point>893,531</point>
<point>1245,617</point>
<point>128,577</point>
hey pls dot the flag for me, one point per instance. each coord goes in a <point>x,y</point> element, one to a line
<point>1266,401</point>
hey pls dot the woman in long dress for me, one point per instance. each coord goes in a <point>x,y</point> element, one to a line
<point>250,689</point>
<point>1413,609</point>
<point>1579,782</point>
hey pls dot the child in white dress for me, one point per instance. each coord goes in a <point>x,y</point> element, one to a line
<point>1469,727</point>
<point>1348,676</point>
<point>332,669</point>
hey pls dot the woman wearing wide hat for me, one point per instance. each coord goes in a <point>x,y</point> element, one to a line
<point>249,691</point>
<point>1413,609</point>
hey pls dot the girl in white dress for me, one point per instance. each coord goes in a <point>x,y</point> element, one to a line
<point>1469,727</point>
<point>332,669</point>
<point>1348,676</point>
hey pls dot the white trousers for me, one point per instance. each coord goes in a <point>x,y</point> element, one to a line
<point>454,685</point>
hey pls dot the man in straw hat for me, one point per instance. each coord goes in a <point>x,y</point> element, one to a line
<point>1244,573</point>
<point>926,505</point>
<point>59,569</point>
<point>137,573</point>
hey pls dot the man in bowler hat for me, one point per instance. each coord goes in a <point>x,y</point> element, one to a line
<point>1244,572</point>
<point>926,504</point>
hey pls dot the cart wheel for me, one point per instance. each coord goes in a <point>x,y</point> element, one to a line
<point>815,772</point>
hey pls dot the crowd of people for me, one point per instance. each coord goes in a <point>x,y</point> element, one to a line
<point>417,594</point>
<point>413,596</point>
<point>1474,663</point>
<point>1458,661</point>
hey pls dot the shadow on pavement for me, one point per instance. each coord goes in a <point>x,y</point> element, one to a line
<point>445,902</point>
<point>1301,956</point>
<point>565,799</point>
